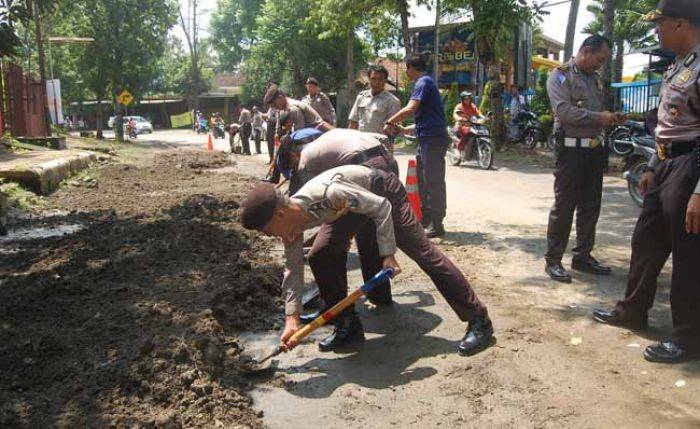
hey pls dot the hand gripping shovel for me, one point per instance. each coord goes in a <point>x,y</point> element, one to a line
<point>327,316</point>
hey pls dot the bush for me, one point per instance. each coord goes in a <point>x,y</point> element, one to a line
<point>485,105</point>
<point>546,125</point>
<point>540,104</point>
<point>451,101</point>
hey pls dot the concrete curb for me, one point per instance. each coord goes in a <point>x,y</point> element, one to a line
<point>42,176</point>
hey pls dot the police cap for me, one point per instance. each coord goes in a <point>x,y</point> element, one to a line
<point>259,206</point>
<point>687,9</point>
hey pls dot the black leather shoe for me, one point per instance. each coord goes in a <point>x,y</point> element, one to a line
<point>556,271</point>
<point>347,331</point>
<point>307,318</point>
<point>667,352</point>
<point>617,318</point>
<point>590,265</point>
<point>3,230</point>
<point>478,337</point>
<point>434,230</point>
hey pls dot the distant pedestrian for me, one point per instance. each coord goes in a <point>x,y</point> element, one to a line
<point>245,120</point>
<point>257,128</point>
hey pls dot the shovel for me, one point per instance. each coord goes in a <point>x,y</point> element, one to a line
<point>327,316</point>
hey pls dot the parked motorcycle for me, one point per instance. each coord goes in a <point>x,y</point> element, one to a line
<point>524,129</point>
<point>482,149</point>
<point>219,130</point>
<point>643,147</point>
<point>621,137</point>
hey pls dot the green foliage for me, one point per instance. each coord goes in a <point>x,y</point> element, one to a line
<point>232,31</point>
<point>451,101</point>
<point>288,49</point>
<point>13,14</point>
<point>485,105</point>
<point>540,104</point>
<point>546,126</point>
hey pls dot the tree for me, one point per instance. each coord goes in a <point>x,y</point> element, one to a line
<point>571,29</point>
<point>14,13</point>
<point>232,31</point>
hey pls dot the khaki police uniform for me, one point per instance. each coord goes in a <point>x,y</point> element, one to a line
<point>321,104</point>
<point>577,101</point>
<point>245,118</point>
<point>302,115</point>
<point>271,131</point>
<point>328,255</point>
<point>660,230</point>
<point>372,111</point>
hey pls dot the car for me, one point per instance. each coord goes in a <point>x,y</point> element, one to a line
<point>143,125</point>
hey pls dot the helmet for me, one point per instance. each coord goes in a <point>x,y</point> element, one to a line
<point>465,94</point>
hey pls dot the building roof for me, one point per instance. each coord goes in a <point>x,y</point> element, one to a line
<point>552,44</point>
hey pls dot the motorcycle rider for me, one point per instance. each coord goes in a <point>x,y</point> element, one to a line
<point>461,115</point>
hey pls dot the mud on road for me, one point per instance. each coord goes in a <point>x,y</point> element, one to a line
<point>133,319</point>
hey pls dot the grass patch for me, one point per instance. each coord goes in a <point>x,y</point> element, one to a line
<point>15,195</point>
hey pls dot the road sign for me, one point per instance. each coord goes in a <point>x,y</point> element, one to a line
<point>125,98</point>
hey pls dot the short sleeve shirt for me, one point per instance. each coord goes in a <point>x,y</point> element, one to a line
<point>372,111</point>
<point>430,117</point>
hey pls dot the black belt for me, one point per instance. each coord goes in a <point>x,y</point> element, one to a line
<point>367,154</point>
<point>676,148</point>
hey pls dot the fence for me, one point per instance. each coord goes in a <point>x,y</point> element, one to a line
<point>22,102</point>
<point>636,97</point>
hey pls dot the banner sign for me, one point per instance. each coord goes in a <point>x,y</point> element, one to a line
<point>456,55</point>
<point>181,120</point>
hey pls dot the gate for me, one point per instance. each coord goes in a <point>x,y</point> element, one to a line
<point>22,101</point>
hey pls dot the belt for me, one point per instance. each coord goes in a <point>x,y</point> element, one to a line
<point>367,154</point>
<point>672,149</point>
<point>577,142</point>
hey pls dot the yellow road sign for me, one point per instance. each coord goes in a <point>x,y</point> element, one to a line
<point>125,98</point>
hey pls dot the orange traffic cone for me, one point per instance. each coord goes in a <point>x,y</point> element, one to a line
<point>412,189</point>
<point>210,144</point>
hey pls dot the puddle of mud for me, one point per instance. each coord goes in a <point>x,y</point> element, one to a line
<point>25,234</point>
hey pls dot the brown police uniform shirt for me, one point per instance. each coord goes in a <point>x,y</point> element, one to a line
<point>332,149</point>
<point>372,111</point>
<point>576,99</point>
<point>321,104</point>
<point>327,197</point>
<point>679,109</point>
<point>245,117</point>
<point>302,115</point>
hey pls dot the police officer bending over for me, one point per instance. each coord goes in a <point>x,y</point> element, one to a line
<point>342,199</point>
<point>670,220</point>
<point>577,102</point>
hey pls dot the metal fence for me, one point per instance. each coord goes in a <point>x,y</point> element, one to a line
<point>636,97</point>
<point>22,101</point>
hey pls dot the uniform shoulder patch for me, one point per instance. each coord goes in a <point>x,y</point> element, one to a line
<point>564,67</point>
<point>559,76</point>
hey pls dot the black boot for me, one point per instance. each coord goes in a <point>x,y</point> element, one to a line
<point>668,352</point>
<point>478,337</point>
<point>435,229</point>
<point>588,264</point>
<point>556,271</point>
<point>347,331</point>
<point>616,317</point>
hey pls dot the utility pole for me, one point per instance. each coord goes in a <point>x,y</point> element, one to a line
<point>436,47</point>
<point>189,26</point>
<point>571,30</point>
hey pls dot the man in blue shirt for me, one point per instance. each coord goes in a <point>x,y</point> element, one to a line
<point>431,129</point>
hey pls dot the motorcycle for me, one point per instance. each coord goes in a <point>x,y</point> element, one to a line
<point>643,148</point>
<point>621,137</point>
<point>482,149</point>
<point>525,129</point>
<point>219,130</point>
<point>202,126</point>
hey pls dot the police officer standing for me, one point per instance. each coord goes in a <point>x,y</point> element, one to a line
<point>670,220</point>
<point>319,101</point>
<point>245,118</point>
<point>577,101</point>
<point>374,106</point>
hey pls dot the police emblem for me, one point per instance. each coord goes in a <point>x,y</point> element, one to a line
<point>684,76</point>
<point>579,103</point>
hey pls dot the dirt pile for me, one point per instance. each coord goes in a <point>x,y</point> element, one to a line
<point>133,320</point>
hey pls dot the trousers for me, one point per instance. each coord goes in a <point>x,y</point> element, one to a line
<point>660,232</point>
<point>430,163</point>
<point>328,255</point>
<point>578,187</point>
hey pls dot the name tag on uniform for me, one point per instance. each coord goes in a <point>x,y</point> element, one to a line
<point>684,76</point>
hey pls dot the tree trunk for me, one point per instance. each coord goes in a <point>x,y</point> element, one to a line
<point>405,33</point>
<point>42,61</point>
<point>498,126</point>
<point>571,30</point>
<point>350,58</point>
<point>436,47</point>
<point>619,64</point>
<point>608,32</point>
<point>98,125</point>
